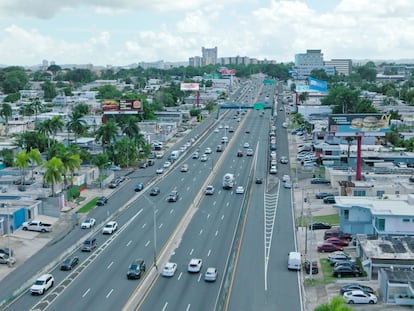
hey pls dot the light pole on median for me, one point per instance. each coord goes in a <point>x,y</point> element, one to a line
<point>155,231</point>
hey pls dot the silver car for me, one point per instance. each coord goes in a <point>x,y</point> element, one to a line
<point>210,275</point>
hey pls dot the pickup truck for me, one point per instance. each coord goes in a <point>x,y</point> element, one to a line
<point>36,225</point>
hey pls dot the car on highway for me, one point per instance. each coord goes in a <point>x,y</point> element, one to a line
<point>259,180</point>
<point>216,130</point>
<point>210,275</point>
<point>209,190</point>
<point>101,201</point>
<point>239,154</point>
<point>166,164</point>
<point>204,158</point>
<point>219,148</point>
<point>160,170</point>
<point>247,131</point>
<point>139,187</point>
<point>69,263</point>
<point>208,150</point>
<point>42,284</point>
<point>319,226</point>
<point>88,223</point>
<point>287,184</point>
<point>194,266</point>
<point>273,169</point>
<point>285,178</point>
<point>195,155</point>
<point>319,181</point>
<point>355,286</point>
<point>154,191</point>
<point>340,271</point>
<point>239,190</point>
<point>328,248</point>
<point>173,196</point>
<point>322,195</point>
<point>89,244</point>
<point>169,269</point>
<point>284,160</point>
<point>337,241</point>
<point>136,269</point>
<point>110,227</point>
<point>246,145</point>
<point>358,296</point>
<point>184,168</point>
<point>249,152</point>
<point>329,200</point>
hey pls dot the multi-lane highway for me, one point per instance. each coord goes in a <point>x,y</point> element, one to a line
<point>255,277</point>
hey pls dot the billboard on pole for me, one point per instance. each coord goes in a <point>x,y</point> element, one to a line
<point>122,106</point>
<point>372,124</point>
<point>190,87</point>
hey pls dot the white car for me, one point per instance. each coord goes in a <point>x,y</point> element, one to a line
<point>204,158</point>
<point>209,190</point>
<point>184,168</point>
<point>160,170</point>
<point>249,152</point>
<point>194,266</point>
<point>88,223</point>
<point>42,284</point>
<point>226,127</point>
<point>359,296</point>
<point>159,155</point>
<point>169,269</point>
<point>284,160</point>
<point>166,164</point>
<point>273,169</point>
<point>208,150</point>
<point>239,190</point>
<point>210,275</point>
<point>246,145</point>
<point>287,184</point>
<point>216,130</point>
<point>285,178</point>
<point>195,155</point>
<point>110,227</point>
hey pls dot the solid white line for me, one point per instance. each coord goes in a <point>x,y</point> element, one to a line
<point>199,277</point>
<point>146,244</point>
<point>109,294</point>
<point>216,233</point>
<point>222,217</point>
<point>208,216</point>
<point>171,211</point>
<point>165,306</point>
<point>188,307</point>
<point>179,277</point>
<point>110,265</point>
<point>201,232</point>
<point>209,252</point>
<point>192,250</point>
<point>160,226</point>
<point>129,243</point>
<point>85,293</point>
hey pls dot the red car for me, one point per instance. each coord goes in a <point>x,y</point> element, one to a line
<point>337,234</point>
<point>337,241</point>
<point>328,248</point>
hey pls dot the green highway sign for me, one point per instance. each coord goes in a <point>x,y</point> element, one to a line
<point>258,106</point>
<point>268,82</point>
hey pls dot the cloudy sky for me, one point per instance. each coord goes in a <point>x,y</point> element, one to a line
<point>122,32</point>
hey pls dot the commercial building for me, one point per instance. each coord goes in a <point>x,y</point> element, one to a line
<point>342,66</point>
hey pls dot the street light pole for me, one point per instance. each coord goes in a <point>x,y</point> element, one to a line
<point>8,232</point>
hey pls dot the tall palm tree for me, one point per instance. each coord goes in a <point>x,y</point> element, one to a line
<point>107,133</point>
<point>37,107</point>
<point>56,124</point>
<point>45,128</point>
<point>76,124</point>
<point>21,161</point>
<point>71,162</point>
<point>349,140</point>
<point>35,158</point>
<point>6,112</point>
<point>101,160</point>
<point>53,174</point>
<point>130,127</point>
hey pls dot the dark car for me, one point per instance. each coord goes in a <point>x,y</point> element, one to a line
<point>114,183</point>
<point>136,269</point>
<point>121,178</point>
<point>101,201</point>
<point>139,187</point>
<point>239,154</point>
<point>307,266</point>
<point>319,181</point>
<point>328,248</point>
<point>154,191</point>
<point>143,165</point>
<point>338,234</point>
<point>69,263</point>
<point>319,225</point>
<point>329,200</point>
<point>323,195</point>
<point>173,196</point>
<point>151,162</point>
<point>340,271</point>
<point>356,286</point>
<point>7,251</point>
<point>259,180</point>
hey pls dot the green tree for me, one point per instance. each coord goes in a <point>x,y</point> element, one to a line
<point>53,172</point>
<point>130,127</point>
<point>107,133</point>
<point>34,158</point>
<point>13,79</point>
<point>49,91</point>
<point>45,128</point>
<point>21,161</point>
<point>6,112</point>
<point>303,97</point>
<point>12,98</point>
<point>337,303</point>
<point>108,92</point>
<point>36,107</point>
<point>76,124</point>
<point>56,125</point>
<point>81,109</point>
<point>71,163</point>
<point>101,160</point>
<point>319,74</point>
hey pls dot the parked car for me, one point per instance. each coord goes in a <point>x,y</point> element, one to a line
<point>136,269</point>
<point>194,266</point>
<point>5,259</point>
<point>160,170</point>
<point>154,191</point>
<point>356,286</point>
<point>307,267</point>
<point>139,187</point>
<point>340,271</point>
<point>345,263</point>
<point>110,227</point>
<point>101,201</point>
<point>143,165</point>
<point>210,275</point>
<point>329,200</point>
<point>284,160</point>
<point>166,164</point>
<point>114,183</point>
<point>319,225</point>
<point>69,263</point>
<point>6,250</point>
<point>337,233</point>
<point>338,256</point>
<point>357,296</point>
<point>328,248</point>
<point>337,241</point>
<point>322,195</point>
<point>42,284</point>
<point>169,269</point>
<point>319,181</point>
<point>88,223</point>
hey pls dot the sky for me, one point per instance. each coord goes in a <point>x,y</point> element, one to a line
<point>124,32</point>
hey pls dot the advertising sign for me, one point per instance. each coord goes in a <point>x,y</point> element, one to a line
<point>359,124</point>
<point>122,106</point>
<point>190,87</point>
<point>316,85</point>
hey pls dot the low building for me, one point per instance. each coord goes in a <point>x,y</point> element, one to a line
<point>396,285</point>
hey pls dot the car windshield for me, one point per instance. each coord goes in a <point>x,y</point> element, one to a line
<point>133,267</point>
<point>39,282</point>
<point>67,261</point>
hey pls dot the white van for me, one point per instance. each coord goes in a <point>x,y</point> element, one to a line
<point>224,140</point>
<point>294,261</point>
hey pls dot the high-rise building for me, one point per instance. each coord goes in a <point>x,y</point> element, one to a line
<point>342,66</point>
<point>195,61</point>
<point>209,56</point>
<point>311,60</point>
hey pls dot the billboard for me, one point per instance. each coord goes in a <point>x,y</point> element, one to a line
<point>226,72</point>
<point>190,87</point>
<point>316,85</point>
<point>372,124</point>
<point>122,106</point>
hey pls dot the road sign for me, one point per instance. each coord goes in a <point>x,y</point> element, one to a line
<point>258,106</point>
<point>268,82</point>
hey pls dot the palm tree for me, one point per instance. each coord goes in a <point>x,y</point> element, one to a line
<point>336,304</point>
<point>76,124</point>
<point>45,128</point>
<point>130,128</point>
<point>107,133</point>
<point>101,160</point>
<point>71,162</point>
<point>303,97</point>
<point>36,107</point>
<point>53,174</point>
<point>6,112</point>
<point>35,158</point>
<point>56,124</point>
<point>349,140</point>
<point>21,160</point>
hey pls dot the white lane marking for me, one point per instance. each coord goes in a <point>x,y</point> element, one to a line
<point>222,217</point>
<point>85,293</point>
<point>199,277</point>
<point>143,226</point>
<point>129,243</point>
<point>110,265</point>
<point>188,307</point>
<point>209,252</point>
<point>192,250</point>
<point>208,216</point>
<point>214,203</point>
<point>146,244</point>
<point>201,232</point>
<point>160,226</point>
<point>216,233</point>
<point>110,292</point>
<point>188,188</point>
<point>171,211</point>
<point>179,277</point>
<point>165,306</point>
<point>228,203</point>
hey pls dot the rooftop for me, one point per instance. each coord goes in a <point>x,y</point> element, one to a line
<point>388,248</point>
